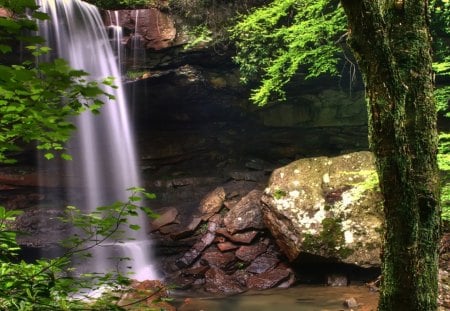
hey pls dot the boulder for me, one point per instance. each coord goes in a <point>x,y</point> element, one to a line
<point>330,207</point>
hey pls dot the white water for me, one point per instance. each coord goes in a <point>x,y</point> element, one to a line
<point>104,161</point>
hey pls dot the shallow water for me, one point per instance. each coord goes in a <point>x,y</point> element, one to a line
<point>300,298</point>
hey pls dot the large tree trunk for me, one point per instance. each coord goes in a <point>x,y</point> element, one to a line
<point>391,43</point>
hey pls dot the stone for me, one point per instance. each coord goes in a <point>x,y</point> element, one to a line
<point>246,214</point>
<point>337,280</point>
<point>243,238</point>
<point>350,303</point>
<point>190,256</point>
<point>149,29</point>
<point>197,272</point>
<point>267,279</point>
<point>217,282</point>
<point>262,264</point>
<point>248,253</point>
<point>218,259</point>
<point>329,207</point>
<point>212,203</point>
<point>226,246</point>
<point>188,230</point>
<point>247,176</point>
<point>166,218</point>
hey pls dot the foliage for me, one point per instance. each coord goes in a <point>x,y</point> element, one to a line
<point>36,98</point>
<point>50,284</point>
<point>275,42</point>
<point>444,166</point>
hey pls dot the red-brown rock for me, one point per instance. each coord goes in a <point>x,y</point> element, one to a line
<point>226,246</point>
<point>166,218</point>
<point>219,259</point>
<point>267,279</point>
<point>248,253</point>
<point>220,283</point>
<point>244,238</point>
<point>212,202</point>
<point>262,264</point>
<point>152,28</point>
<point>246,214</point>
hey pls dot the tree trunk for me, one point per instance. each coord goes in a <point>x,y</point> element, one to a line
<point>391,42</point>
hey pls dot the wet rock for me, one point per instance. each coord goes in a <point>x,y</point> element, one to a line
<point>337,280</point>
<point>246,214</point>
<point>330,207</point>
<point>247,176</point>
<point>219,259</point>
<point>289,282</point>
<point>226,246</point>
<point>267,279</point>
<point>218,282</point>
<point>41,226</point>
<point>212,203</point>
<point>147,28</point>
<point>166,218</point>
<point>350,303</point>
<point>248,253</point>
<point>189,257</point>
<point>256,164</point>
<point>243,238</point>
<point>197,272</point>
<point>262,264</point>
<point>241,276</point>
<point>188,230</point>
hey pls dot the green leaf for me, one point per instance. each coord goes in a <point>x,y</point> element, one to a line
<point>49,156</point>
<point>134,227</point>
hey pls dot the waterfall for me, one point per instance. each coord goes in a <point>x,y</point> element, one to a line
<point>104,161</point>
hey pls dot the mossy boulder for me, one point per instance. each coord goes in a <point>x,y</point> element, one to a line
<point>330,207</point>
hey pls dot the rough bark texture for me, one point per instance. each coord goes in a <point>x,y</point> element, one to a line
<point>391,42</point>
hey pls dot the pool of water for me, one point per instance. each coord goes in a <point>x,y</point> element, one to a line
<point>299,298</point>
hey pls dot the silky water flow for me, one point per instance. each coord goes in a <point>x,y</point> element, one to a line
<point>104,161</point>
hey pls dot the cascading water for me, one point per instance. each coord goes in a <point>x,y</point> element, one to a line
<point>104,160</point>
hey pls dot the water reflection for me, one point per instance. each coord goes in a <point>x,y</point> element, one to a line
<point>301,298</point>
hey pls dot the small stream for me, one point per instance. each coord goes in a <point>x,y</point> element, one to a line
<point>299,298</point>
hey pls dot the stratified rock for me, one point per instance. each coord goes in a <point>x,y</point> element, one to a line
<point>246,214</point>
<point>218,282</point>
<point>246,175</point>
<point>262,264</point>
<point>243,238</point>
<point>226,246</point>
<point>190,256</point>
<point>188,230</point>
<point>148,28</point>
<point>267,279</point>
<point>212,203</point>
<point>166,218</point>
<point>218,259</point>
<point>331,207</point>
<point>197,272</point>
<point>248,253</point>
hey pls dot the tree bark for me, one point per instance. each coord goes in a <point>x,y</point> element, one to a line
<point>391,42</point>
